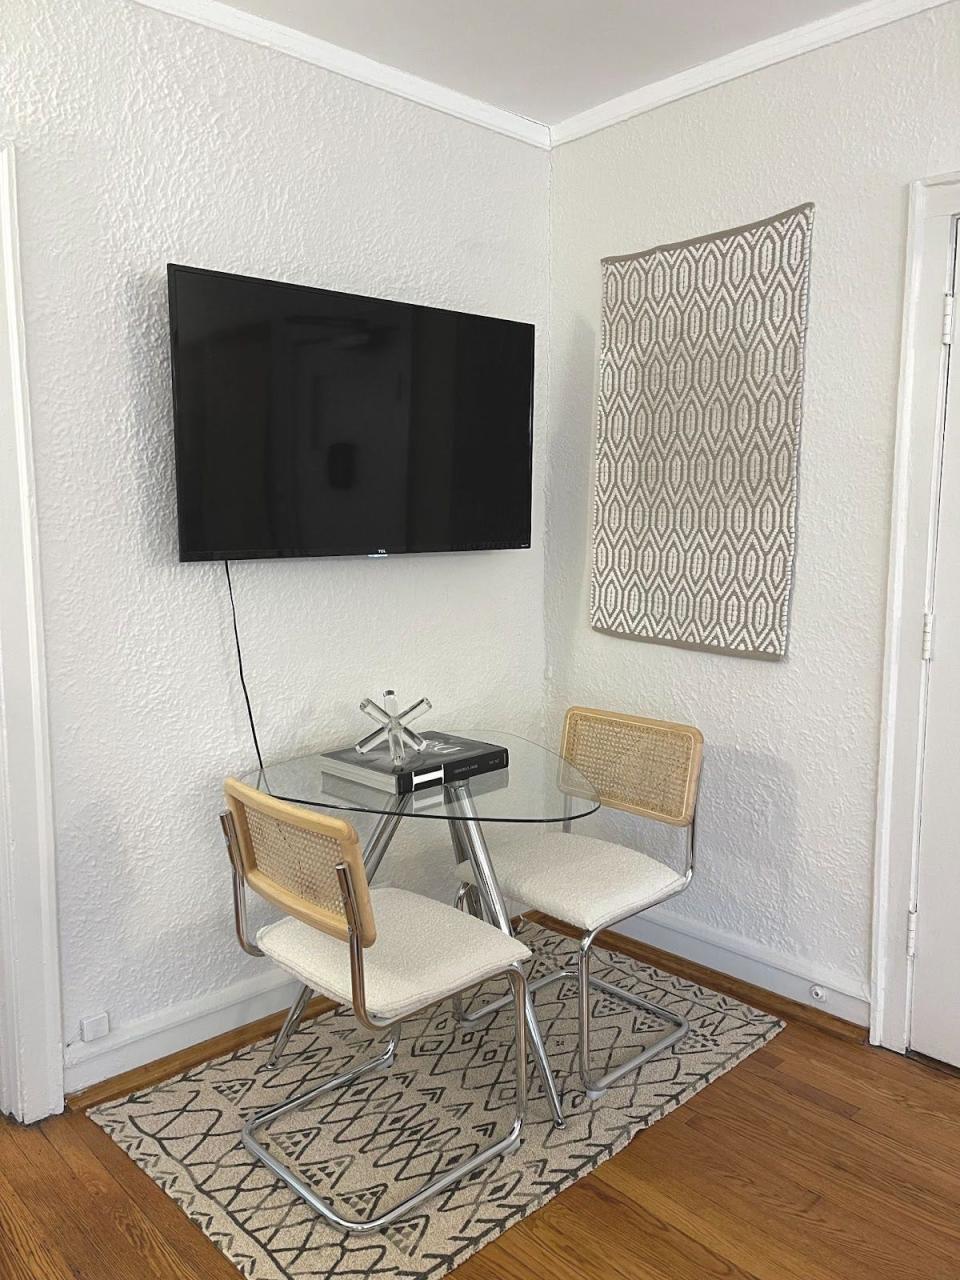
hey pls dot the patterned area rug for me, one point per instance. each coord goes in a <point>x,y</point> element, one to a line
<point>449,1090</point>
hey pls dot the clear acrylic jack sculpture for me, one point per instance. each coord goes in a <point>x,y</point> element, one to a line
<point>393,726</point>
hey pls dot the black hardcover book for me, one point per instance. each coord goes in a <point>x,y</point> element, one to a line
<point>445,758</point>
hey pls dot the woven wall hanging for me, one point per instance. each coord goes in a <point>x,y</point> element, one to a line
<point>701,381</point>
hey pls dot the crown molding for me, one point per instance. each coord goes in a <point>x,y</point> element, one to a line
<point>753,57</point>
<point>344,62</point>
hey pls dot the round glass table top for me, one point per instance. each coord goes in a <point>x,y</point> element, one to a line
<point>536,786</point>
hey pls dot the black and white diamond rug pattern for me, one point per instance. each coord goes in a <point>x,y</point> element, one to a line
<point>450,1090</point>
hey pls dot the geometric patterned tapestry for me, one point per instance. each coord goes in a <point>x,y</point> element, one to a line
<point>450,1090</point>
<point>701,387</point>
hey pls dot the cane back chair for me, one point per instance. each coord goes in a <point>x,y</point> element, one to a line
<point>387,953</point>
<point>650,768</point>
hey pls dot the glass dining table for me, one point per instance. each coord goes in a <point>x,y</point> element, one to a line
<point>538,786</point>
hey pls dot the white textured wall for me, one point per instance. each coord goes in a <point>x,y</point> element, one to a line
<point>789,783</point>
<point>143,139</point>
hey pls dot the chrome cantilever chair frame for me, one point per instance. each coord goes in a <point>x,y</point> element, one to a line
<point>518,986</point>
<point>595,1085</point>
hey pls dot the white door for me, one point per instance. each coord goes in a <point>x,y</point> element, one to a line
<point>935,1016</point>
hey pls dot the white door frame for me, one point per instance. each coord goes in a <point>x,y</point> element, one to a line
<point>31,1051</point>
<point>912,554</point>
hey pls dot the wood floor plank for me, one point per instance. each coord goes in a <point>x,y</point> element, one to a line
<point>166,1216</point>
<point>920,1126</point>
<point>161,1256</point>
<point>738,1214</point>
<point>818,1158</point>
<point>630,1231</point>
<point>924,1175</point>
<point>845,1239</point>
<point>816,1237</point>
<point>800,1086</point>
<point>878,1078</point>
<point>25,1252</point>
<point>859,1177</point>
<point>878,1069</point>
<point>91,1220</point>
<point>526,1252</point>
<point>547,1236</point>
<point>55,1197</point>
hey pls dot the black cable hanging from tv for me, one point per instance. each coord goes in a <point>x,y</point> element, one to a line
<point>243,682</point>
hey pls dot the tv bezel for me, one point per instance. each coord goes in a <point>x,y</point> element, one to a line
<point>370,552</point>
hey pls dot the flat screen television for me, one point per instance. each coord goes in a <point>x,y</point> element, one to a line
<point>314,423</point>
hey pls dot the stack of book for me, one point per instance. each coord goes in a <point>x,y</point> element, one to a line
<point>445,759</point>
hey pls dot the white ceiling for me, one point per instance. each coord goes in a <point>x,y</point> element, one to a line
<point>546,60</point>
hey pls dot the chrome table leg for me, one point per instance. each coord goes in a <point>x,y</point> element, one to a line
<point>290,1024</point>
<point>471,834</point>
<point>382,834</point>
<point>467,898</point>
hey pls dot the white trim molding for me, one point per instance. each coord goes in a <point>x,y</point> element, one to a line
<point>355,66</point>
<point>912,553</point>
<point>753,57</point>
<point>144,1040</point>
<point>785,975</point>
<point>147,1039</point>
<point>31,1055</point>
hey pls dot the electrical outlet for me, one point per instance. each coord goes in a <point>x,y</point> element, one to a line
<point>94,1028</point>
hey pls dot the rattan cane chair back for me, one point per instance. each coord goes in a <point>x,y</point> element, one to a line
<point>290,856</point>
<point>648,767</point>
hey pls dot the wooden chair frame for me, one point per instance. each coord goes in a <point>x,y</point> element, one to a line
<point>686,816</point>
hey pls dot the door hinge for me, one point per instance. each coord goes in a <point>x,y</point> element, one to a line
<point>912,933</point>
<point>947,332</point>
<point>926,651</point>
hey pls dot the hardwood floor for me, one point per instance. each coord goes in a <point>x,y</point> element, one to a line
<point>816,1159</point>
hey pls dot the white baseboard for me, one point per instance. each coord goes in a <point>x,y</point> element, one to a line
<point>147,1039</point>
<point>785,975</point>
<point>191,1022</point>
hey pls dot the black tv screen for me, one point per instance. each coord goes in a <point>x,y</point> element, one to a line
<point>313,423</point>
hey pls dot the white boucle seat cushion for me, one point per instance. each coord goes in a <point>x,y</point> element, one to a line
<point>584,881</point>
<point>425,950</point>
